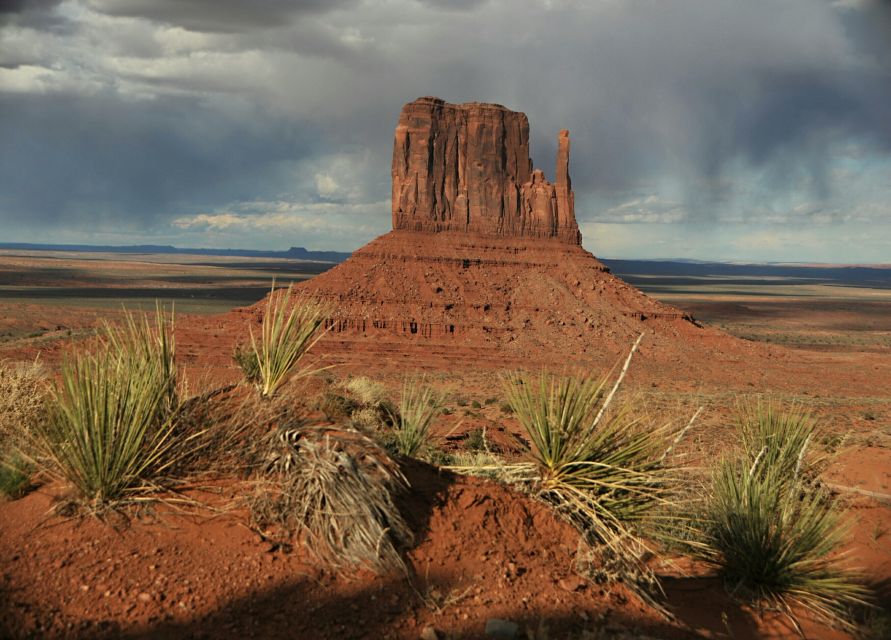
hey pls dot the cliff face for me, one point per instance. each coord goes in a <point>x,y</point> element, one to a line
<point>466,167</point>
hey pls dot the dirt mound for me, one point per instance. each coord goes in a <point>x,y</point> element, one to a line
<point>483,552</point>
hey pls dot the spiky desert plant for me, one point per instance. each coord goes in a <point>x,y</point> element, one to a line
<point>781,437</point>
<point>603,467</point>
<point>290,328</point>
<point>418,407</point>
<point>769,528</point>
<point>110,419</point>
<point>338,489</point>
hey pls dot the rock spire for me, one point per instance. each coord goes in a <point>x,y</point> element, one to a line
<point>466,167</point>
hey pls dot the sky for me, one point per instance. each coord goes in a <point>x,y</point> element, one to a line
<point>702,129</point>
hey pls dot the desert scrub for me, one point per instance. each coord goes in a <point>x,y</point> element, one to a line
<point>290,328</point>
<point>368,392</point>
<point>769,526</point>
<point>418,407</point>
<point>23,406</point>
<point>111,414</point>
<point>337,489</point>
<point>601,467</point>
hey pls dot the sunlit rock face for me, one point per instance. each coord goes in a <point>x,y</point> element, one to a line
<point>466,167</point>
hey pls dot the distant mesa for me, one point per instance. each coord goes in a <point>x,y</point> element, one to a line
<point>466,167</point>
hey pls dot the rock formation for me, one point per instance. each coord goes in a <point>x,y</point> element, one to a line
<point>466,167</point>
<point>484,265</point>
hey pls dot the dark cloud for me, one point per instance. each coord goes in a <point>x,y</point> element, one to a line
<point>225,16</point>
<point>34,14</point>
<point>97,161</point>
<point>454,5</point>
<point>679,112</point>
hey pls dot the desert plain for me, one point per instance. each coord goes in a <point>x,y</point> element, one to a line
<point>825,344</point>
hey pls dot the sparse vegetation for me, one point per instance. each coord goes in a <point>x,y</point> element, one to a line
<point>110,420</point>
<point>23,406</point>
<point>418,407</point>
<point>769,527</point>
<point>603,469</point>
<point>289,330</point>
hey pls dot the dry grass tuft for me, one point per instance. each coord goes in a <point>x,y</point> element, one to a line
<point>337,489</point>
<point>24,391</point>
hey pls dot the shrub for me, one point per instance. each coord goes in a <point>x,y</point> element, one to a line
<point>602,469</point>
<point>247,361</point>
<point>366,390</point>
<point>289,330</point>
<point>337,488</point>
<point>335,406</point>
<point>476,439</point>
<point>768,526</point>
<point>15,474</point>
<point>111,416</point>
<point>418,407</point>
<point>506,408</point>
<point>476,405</point>
<point>23,406</point>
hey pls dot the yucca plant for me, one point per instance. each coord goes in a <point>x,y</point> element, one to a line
<point>418,407</point>
<point>781,437</point>
<point>604,470</point>
<point>290,329</point>
<point>769,528</point>
<point>111,413</point>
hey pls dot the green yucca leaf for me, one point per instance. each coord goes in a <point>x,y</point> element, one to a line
<point>768,526</point>
<point>289,330</point>
<point>110,423</point>
<point>418,407</point>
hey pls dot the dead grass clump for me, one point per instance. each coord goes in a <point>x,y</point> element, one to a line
<point>367,391</point>
<point>336,489</point>
<point>24,391</point>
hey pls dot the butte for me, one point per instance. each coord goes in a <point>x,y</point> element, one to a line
<point>484,265</point>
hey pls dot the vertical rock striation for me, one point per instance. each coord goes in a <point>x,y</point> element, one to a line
<point>466,167</point>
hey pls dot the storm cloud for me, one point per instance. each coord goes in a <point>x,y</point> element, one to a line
<point>701,128</point>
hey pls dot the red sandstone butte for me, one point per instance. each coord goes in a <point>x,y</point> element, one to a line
<point>484,266</point>
<point>466,167</point>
